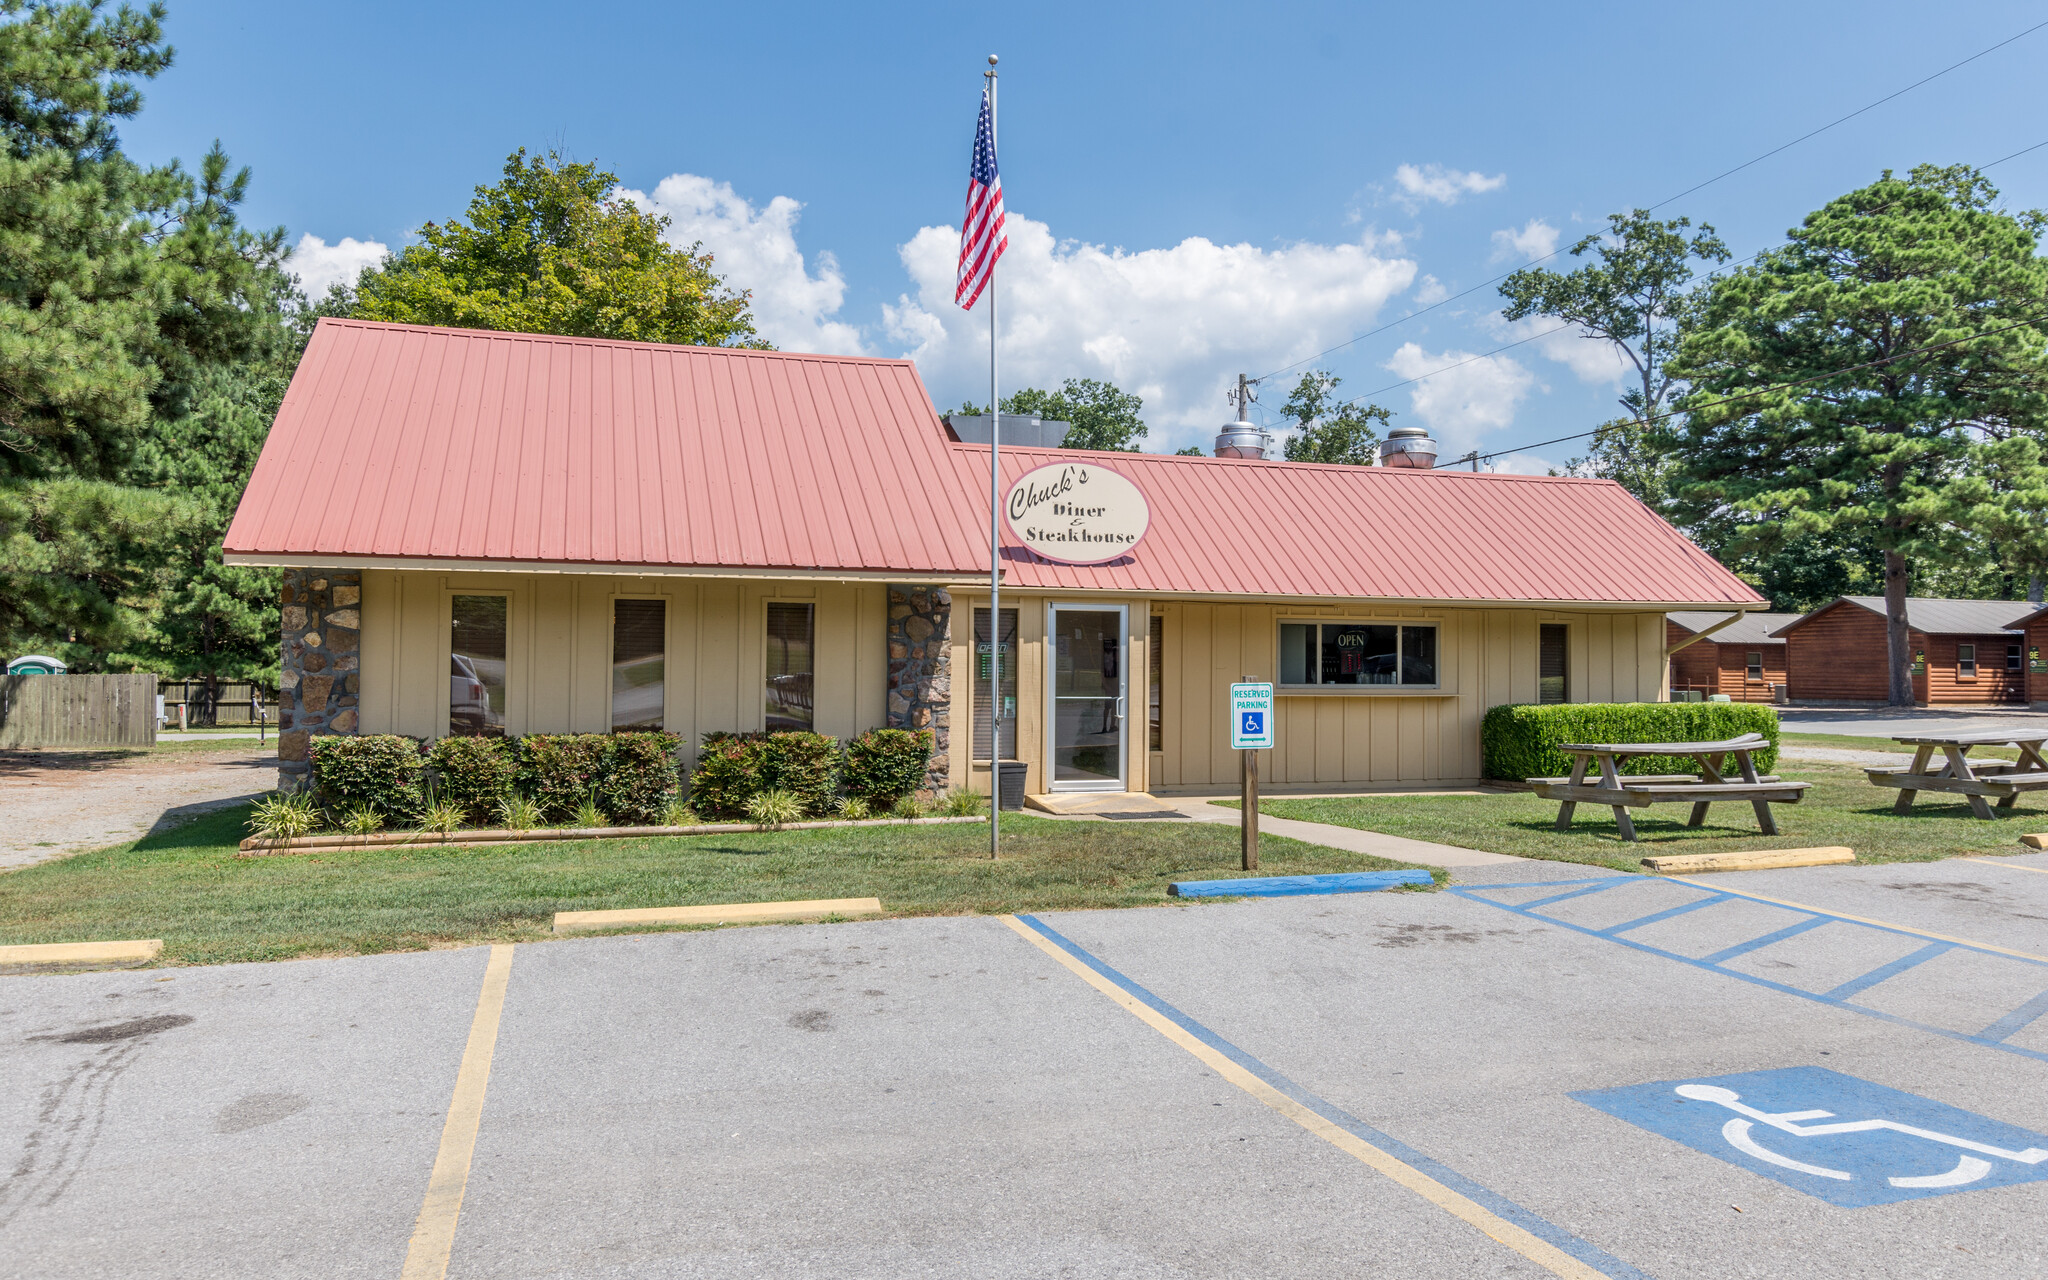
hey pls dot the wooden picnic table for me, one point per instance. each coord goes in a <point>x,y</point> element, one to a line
<point>1702,789</point>
<point>1971,781</point>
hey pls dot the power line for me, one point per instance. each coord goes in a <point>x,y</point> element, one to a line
<point>1667,200</point>
<point>1764,391</point>
<point>1717,272</point>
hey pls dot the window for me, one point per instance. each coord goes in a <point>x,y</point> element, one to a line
<point>1354,653</point>
<point>791,662</point>
<point>1966,662</point>
<point>1551,684</point>
<point>1756,666</point>
<point>476,666</point>
<point>2012,657</point>
<point>984,662</point>
<point>639,636</point>
<point>1155,650</point>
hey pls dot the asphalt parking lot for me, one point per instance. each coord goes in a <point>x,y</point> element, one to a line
<point>1828,1072</point>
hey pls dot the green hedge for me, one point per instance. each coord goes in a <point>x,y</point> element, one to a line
<point>885,765</point>
<point>476,773</point>
<point>733,768</point>
<point>381,770</point>
<point>559,771</point>
<point>641,775</point>
<point>1520,740</point>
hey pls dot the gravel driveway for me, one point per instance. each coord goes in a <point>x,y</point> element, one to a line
<point>58,802</point>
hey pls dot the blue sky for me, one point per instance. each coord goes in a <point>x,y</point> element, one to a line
<point>1195,190</point>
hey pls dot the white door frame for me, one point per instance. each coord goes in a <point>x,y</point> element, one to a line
<point>1122,781</point>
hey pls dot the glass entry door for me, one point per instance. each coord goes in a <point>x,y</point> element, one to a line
<point>1087,690</point>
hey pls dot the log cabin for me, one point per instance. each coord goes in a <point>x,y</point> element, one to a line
<point>1965,652</point>
<point>1742,660</point>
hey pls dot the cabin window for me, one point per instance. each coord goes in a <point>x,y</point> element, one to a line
<point>1357,653</point>
<point>1966,662</point>
<point>476,666</point>
<point>1155,658</point>
<point>985,656</point>
<point>1756,665</point>
<point>639,642</point>
<point>2012,657</point>
<point>1551,685</point>
<point>792,660</point>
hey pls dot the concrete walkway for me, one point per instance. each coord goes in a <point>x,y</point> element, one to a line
<point>1399,848</point>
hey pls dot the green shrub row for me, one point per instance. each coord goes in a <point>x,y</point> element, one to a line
<point>631,777</point>
<point>1520,740</point>
<point>879,768</point>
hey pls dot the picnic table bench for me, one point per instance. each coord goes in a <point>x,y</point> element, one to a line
<point>1702,789</point>
<point>1960,777</point>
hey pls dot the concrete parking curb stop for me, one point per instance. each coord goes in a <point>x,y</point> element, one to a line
<point>41,957</point>
<point>716,913</point>
<point>2035,842</point>
<point>1752,859</point>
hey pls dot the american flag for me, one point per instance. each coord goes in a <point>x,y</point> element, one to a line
<point>982,238</point>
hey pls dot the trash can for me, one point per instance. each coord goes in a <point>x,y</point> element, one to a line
<point>1010,784</point>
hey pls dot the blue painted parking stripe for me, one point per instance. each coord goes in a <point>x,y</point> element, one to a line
<point>2016,1021</point>
<point>1665,914</point>
<point>1583,1250</point>
<point>1726,954</point>
<point>1857,986</point>
<point>1599,886</point>
<point>1782,988</point>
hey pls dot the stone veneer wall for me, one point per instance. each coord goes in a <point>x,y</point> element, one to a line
<point>921,671</point>
<point>319,684</point>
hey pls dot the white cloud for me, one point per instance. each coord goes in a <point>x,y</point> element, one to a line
<point>319,264</point>
<point>1460,396</point>
<point>1430,291</point>
<point>794,306</point>
<point>1537,239</point>
<point>1174,325</point>
<point>1592,360</point>
<point>1433,183</point>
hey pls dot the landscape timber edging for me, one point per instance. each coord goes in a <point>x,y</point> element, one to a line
<point>257,846</point>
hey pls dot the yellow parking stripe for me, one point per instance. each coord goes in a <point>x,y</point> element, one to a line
<point>2016,866</point>
<point>433,1236</point>
<point>1541,1252</point>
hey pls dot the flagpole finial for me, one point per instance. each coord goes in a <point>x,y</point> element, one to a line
<point>991,59</point>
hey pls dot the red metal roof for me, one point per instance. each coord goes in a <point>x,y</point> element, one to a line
<point>399,443</point>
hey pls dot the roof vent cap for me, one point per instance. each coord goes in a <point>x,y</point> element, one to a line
<point>1241,439</point>
<point>1408,447</point>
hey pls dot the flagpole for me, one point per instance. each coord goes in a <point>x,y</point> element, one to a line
<point>995,542</point>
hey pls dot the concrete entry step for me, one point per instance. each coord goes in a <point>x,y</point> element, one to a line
<point>1102,804</point>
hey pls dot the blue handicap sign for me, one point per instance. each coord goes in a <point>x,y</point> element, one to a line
<point>1254,724</point>
<point>1844,1140</point>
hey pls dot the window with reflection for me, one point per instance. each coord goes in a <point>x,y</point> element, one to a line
<point>476,666</point>
<point>639,663</point>
<point>1357,653</point>
<point>791,662</point>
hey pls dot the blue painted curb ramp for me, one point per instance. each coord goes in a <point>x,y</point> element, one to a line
<point>1296,886</point>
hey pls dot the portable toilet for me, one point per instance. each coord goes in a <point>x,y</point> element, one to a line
<point>36,664</point>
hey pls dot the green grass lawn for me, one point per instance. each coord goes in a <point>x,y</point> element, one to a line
<point>1852,742</point>
<point>188,887</point>
<point>1842,808</point>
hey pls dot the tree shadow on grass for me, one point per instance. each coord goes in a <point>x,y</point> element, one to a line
<point>207,829</point>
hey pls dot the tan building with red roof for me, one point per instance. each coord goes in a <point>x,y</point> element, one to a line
<point>516,533</point>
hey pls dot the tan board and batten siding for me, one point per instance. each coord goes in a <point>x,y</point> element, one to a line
<point>1350,738</point>
<point>559,656</point>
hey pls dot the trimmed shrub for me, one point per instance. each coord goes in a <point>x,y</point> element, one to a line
<point>475,774</point>
<point>379,770</point>
<point>805,766</point>
<point>558,771</point>
<point>1520,740</point>
<point>885,765</point>
<point>728,774</point>
<point>641,775</point>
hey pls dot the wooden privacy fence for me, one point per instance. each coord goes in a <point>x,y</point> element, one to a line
<point>78,711</point>
<point>236,703</point>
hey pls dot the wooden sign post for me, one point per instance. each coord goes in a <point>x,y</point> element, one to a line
<point>1251,731</point>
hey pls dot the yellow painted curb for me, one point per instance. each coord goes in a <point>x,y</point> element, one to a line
<point>82,953</point>
<point>1753,859</point>
<point>716,913</point>
<point>2035,842</point>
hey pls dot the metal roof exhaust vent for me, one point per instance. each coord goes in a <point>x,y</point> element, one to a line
<point>1241,439</point>
<point>1408,447</point>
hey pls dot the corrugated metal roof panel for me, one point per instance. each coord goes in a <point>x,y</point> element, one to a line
<point>402,442</point>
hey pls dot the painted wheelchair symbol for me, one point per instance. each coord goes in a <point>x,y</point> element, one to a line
<point>1740,1133</point>
<point>1254,723</point>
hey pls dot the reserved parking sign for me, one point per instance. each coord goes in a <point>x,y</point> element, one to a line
<point>1251,717</point>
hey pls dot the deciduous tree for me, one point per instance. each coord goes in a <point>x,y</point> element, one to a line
<point>1327,431</point>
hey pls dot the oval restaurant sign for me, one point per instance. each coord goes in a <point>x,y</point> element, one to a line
<point>1077,512</point>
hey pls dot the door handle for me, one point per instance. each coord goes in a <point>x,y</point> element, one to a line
<point>1120,707</point>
